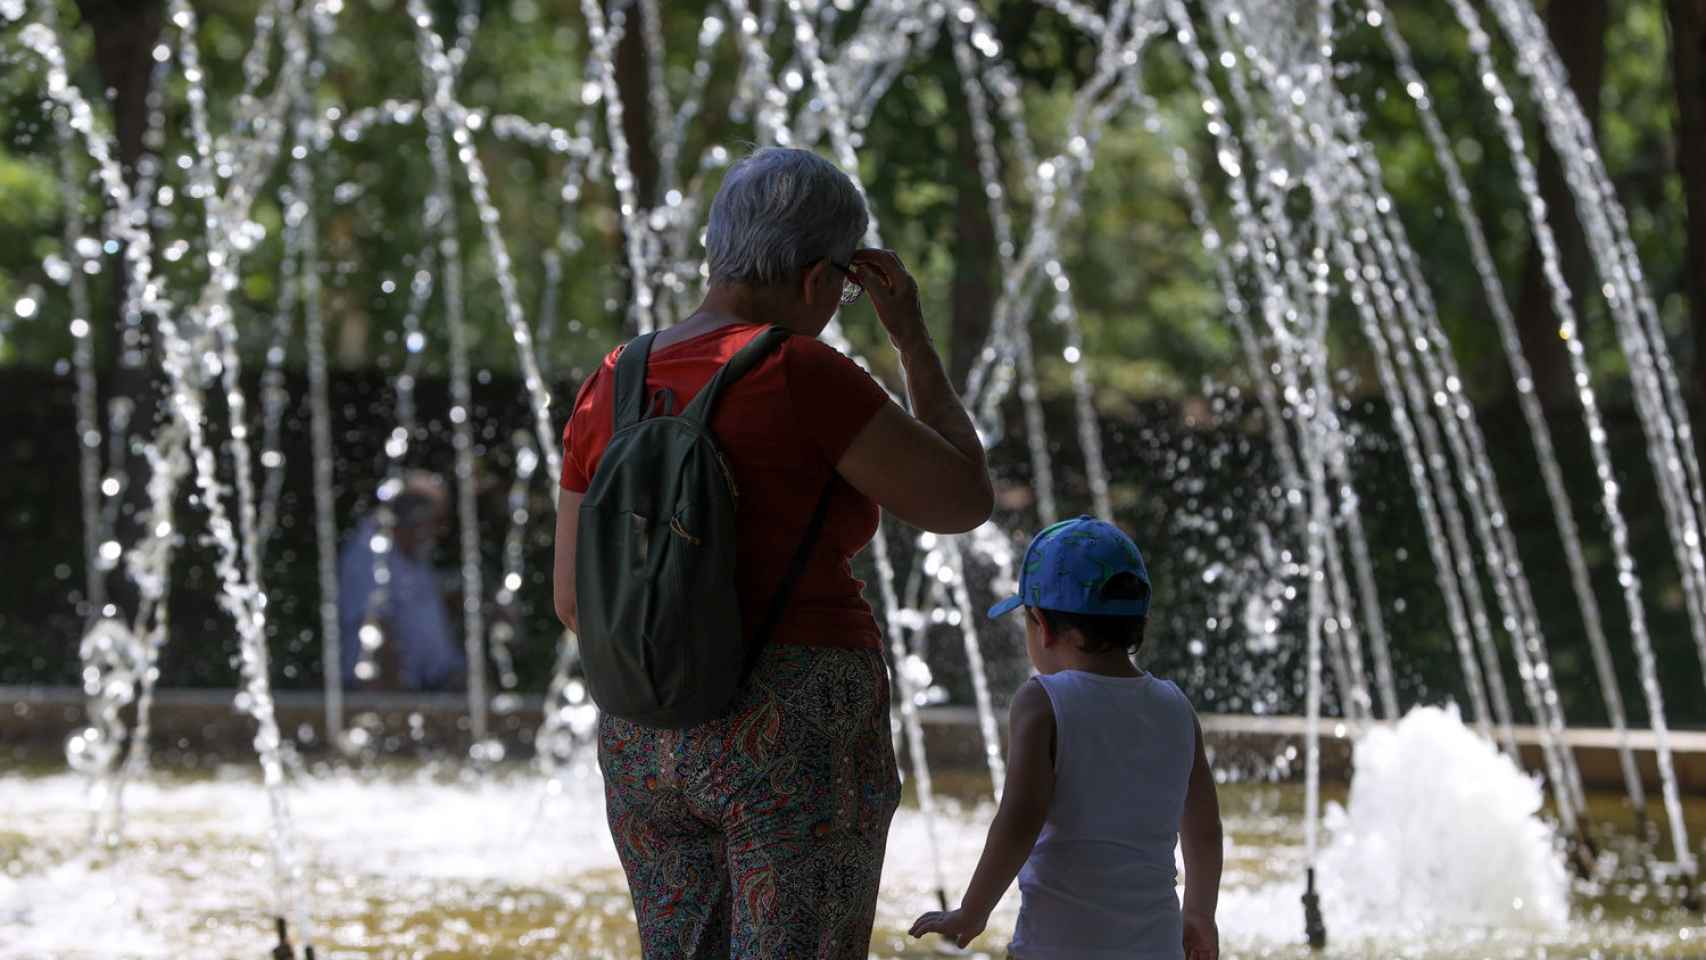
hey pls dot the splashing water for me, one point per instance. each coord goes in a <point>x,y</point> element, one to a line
<point>1440,829</point>
<point>503,636</point>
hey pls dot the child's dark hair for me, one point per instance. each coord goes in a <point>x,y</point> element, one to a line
<point>1102,633</point>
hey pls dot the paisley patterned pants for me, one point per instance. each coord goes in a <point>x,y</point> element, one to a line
<point>760,835</point>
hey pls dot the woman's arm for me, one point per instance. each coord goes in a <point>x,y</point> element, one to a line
<point>1200,840</point>
<point>1013,832</point>
<point>927,468</point>
<point>563,569</point>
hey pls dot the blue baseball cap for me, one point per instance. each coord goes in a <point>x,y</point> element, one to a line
<point>1067,565</point>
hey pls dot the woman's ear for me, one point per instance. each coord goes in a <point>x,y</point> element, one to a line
<point>813,288</point>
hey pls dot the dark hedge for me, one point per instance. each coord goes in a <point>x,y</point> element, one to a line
<point>1194,481</point>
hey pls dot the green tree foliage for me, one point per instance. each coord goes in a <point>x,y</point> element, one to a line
<point>1149,310</point>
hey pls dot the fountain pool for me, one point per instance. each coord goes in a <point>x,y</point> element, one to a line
<point>441,860</point>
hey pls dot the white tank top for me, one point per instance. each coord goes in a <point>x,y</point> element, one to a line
<point>1100,882</point>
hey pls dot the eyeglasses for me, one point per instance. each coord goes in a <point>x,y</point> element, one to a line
<point>850,287</point>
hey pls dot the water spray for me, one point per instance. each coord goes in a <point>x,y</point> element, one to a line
<point>1521,373</point>
<point>1610,493</point>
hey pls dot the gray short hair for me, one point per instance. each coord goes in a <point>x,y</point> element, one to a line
<point>778,210</point>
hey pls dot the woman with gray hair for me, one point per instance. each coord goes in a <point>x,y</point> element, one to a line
<point>761,834</point>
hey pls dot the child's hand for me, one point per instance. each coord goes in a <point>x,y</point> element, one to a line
<point>1202,937</point>
<point>957,925</point>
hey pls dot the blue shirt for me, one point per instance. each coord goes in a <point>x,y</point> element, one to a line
<point>413,611</point>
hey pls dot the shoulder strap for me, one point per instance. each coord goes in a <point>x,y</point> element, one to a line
<point>630,399</point>
<point>796,567</point>
<point>705,402</point>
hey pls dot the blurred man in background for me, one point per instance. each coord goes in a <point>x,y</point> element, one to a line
<point>407,616</point>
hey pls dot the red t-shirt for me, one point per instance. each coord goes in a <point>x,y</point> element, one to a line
<point>783,427</point>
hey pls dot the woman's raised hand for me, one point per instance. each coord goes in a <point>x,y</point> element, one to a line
<point>926,468</point>
<point>894,293</point>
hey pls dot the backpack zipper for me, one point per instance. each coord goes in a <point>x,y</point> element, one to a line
<point>681,531</point>
<point>727,473</point>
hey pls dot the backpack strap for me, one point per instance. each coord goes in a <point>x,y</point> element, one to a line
<point>705,402</point>
<point>630,400</point>
<point>796,567</point>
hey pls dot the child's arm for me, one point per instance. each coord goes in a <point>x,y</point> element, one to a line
<point>1024,807</point>
<point>1200,841</point>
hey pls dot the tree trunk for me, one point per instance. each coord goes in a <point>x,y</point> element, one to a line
<point>126,32</point>
<point>1578,29</point>
<point>1688,57</point>
<point>972,295</point>
<point>637,125</point>
<point>637,120</point>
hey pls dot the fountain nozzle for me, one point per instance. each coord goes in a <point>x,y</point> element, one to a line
<point>1646,828</point>
<point>283,951</point>
<point>1584,852</point>
<point>1313,926</point>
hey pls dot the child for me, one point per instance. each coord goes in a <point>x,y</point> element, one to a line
<point>1105,772</point>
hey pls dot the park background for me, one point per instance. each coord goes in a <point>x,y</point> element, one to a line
<point>1194,478</point>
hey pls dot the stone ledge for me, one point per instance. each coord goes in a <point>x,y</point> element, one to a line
<point>197,723</point>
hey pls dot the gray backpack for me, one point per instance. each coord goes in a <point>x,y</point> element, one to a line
<point>660,628</point>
